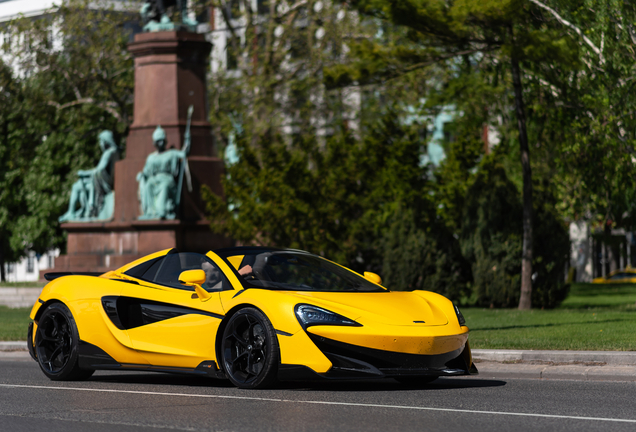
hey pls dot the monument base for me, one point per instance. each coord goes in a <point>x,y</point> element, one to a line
<point>101,247</point>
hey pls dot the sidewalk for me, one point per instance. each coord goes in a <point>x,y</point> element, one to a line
<point>501,364</point>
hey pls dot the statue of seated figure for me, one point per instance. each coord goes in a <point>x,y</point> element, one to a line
<point>158,191</point>
<point>92,196</point>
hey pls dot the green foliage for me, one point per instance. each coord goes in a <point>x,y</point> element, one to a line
<point>68,76</point>
<point>491,237</point>
<point>345,173</point>
<point>423,256</point>
<point>331,200</point>
<point>491,241</point>
<point>274,85</point>
<point>594,160</point>
<point>551,252</point>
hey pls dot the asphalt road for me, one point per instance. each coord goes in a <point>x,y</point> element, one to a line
<point>145,402</point>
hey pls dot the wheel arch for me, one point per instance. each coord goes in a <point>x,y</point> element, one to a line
<point>44,306</point>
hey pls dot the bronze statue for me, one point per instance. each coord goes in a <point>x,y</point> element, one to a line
<point>92,196</point>
<point>155,17</point>
<point>161,180</point>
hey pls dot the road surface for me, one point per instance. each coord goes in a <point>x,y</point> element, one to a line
<point>133,401</point>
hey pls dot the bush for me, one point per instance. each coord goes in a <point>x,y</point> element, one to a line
<point>423,256</point>
<point>491,241</point>
<point>552,249</point>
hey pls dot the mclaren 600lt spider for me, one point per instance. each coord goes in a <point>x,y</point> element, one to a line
<point>247,314</point>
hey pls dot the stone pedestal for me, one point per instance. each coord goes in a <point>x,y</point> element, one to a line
<point>170,72</point>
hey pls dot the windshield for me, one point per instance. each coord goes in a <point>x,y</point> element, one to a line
<point>293,270</point>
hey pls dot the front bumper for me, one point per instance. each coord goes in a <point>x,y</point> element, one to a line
<point>352,361</point>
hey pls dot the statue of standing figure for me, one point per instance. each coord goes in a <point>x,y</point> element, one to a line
<point>161,180</point>
<point>92,196</point>
<point>155,18</point>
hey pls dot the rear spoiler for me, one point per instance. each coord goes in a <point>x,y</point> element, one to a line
<point>55,275</point>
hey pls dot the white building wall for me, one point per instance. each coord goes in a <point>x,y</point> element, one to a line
<point>15,8</point>
<point>28,268</point>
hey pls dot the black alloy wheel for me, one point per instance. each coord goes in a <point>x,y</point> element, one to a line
<point>250,352</point>
<point>56,341</point>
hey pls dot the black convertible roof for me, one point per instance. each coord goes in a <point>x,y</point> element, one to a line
<point>250,250</point>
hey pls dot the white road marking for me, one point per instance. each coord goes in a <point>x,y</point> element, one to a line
<point>351,404</point>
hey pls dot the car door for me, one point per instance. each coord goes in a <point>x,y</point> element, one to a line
<point>167,322</point>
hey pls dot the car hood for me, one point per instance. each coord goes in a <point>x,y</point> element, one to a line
<point>390,307</point>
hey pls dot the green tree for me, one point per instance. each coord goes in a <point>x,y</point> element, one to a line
<point>68,76</point>
<point>332,200</point>
<point>595,158</point>
<point>511,33</point>
<point>270,82</point>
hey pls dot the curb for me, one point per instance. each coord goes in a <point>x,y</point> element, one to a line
<point>13,346</point>
<point>589,358</point>
<point>575,372</point>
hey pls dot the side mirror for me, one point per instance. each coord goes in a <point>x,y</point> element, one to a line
<point>372,277</point>
<point>195,278</point>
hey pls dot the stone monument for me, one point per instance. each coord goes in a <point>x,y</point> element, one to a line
<point>170,92</point>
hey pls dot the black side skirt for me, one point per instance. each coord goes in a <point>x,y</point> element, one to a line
<point>93,357</point>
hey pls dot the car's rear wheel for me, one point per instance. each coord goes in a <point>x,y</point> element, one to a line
<point>250,352</point>
<point>415,381</point>
<point>56,342</point>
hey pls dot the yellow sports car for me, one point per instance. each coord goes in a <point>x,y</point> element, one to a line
<point>623,276</point>
<point>252,315</point>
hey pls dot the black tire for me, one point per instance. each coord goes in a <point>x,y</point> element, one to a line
<point>56,342</point>
<point>415,381</point>
<point>249,350</point>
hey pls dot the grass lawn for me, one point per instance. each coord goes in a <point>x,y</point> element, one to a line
<point>593,317</point>
<point>13,323</point>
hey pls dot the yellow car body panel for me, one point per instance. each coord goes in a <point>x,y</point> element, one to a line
<point>93,325</point>
<point>236,260</point>
<point>180,327</point>
<point>298,349</point>
<point>184,341</point>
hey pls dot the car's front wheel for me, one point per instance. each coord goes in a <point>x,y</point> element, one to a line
<point>250,352</point>
<point>56,342</point>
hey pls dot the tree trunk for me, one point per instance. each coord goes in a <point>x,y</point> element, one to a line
<point>525,301</point>
<point>3,277</point>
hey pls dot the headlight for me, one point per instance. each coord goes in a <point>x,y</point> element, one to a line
<point>309,315</point>
<point>460,317</point>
